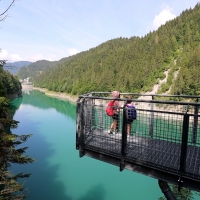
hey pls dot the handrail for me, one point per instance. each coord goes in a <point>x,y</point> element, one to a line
<point>140,94</point>
<point>148,101</point>
<point>177,128</point>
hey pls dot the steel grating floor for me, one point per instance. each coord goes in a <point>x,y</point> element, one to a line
<point>152,152</point>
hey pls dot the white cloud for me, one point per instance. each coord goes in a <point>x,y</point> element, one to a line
<point>36,57</point>
<point>72,51</point>
<point>3,54</point>
<point>15,57</point>
<point>164,16</point>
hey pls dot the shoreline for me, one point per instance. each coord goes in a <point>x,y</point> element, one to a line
<point>73,99</point>
<point>58,95</point>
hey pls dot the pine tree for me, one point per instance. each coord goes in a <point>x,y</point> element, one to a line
<point>10,188</point>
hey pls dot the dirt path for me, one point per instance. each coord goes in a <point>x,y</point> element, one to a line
<point>74,98</point>
<point>155,87</point>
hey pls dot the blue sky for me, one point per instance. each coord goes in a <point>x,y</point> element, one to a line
<point>53,29</point>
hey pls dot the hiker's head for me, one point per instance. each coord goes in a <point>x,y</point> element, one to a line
<point>115,94</point>
<point>129,97</point>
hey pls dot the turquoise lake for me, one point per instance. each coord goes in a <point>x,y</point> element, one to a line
<point>58,173</point>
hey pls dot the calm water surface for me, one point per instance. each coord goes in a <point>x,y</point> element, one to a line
<point>58,173</point>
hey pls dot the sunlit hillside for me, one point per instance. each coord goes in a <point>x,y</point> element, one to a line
<point>134,64</point>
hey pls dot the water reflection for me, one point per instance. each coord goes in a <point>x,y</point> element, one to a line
<point>42,101</point>
<point>59,173</point>
<point>43,183</point>
<point>97,192</point>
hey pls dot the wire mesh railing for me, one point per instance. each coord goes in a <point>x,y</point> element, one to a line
<point>165,135</point>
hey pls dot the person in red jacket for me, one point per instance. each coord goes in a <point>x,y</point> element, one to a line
<point>116,110</point>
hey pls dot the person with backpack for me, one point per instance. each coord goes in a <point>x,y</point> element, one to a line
<point>114,109</point>
<point>131,113</point>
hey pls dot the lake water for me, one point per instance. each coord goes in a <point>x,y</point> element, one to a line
<point>58,173</point>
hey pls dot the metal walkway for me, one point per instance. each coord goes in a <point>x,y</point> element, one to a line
<point>164,141</point>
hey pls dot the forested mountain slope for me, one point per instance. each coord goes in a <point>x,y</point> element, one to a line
<point>9,84</point>
<point>15,66</point>
<point>135,64</point>
<point>36,68</point>
<point>11,186</point>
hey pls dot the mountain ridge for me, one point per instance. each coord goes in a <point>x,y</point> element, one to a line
<point>13,67</point>
<point>134,64</point>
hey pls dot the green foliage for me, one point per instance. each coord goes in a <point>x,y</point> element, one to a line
<point>188,80</point>
<point>15,66</point>
<point>9,84</point>
<point>132,65</point>
<point>183,194</point>
<point>10,188</point>
<point>35,69</point>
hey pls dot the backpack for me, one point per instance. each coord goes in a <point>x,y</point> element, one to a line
<point>131,112</point>
<point>110,108</point>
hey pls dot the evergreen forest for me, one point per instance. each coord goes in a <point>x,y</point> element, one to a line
<point>9,84</point>
<point>34,69</point>
<point>132,64</point>
<point>10,186</point>
<point>14,67</point>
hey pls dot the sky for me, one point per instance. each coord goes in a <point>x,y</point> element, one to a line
<point>53,29</point>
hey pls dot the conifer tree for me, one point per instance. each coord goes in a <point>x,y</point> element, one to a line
<point>10,188</point>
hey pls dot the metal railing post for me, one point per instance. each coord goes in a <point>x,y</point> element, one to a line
<point>183,148</point>
<point>78,122</point>
<point>101,112</point>
<point>124,138</point>
<point>93,121</point>
<point>151,119</point>
<point>194,136</point>
<point>81,130</point>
